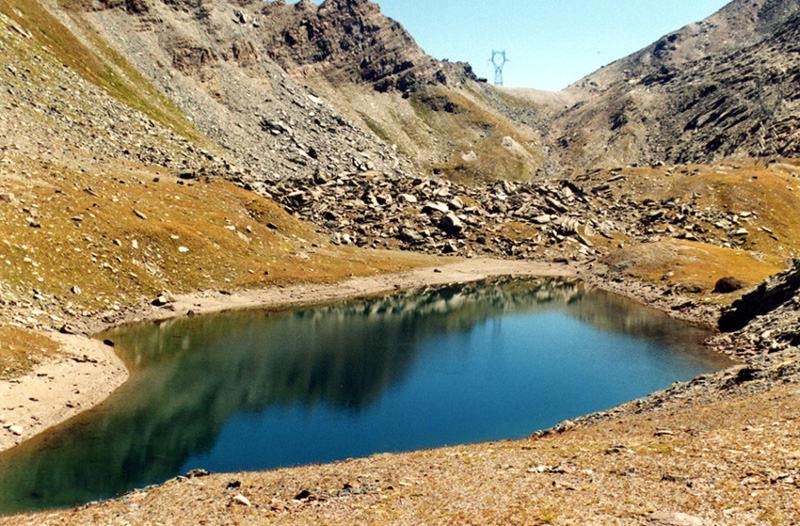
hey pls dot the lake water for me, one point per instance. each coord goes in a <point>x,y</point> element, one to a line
<point>257,390</point>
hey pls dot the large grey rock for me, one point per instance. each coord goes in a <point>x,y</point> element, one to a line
<point>669,518</point>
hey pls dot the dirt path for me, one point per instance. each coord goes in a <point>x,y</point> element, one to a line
<point>89,371</point>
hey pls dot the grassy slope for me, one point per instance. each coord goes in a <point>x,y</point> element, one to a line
<point>436,139</point>
<point>82,235</point>
<point>769,194</point>
<point>96,253</point>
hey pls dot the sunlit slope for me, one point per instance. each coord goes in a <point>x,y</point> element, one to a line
<point>705,222</point>
<point>448,131</point>
<point>103,206</point>
<point>102,65</point>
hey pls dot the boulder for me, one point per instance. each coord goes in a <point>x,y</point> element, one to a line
<point>768,296</point>
<point>451,224</point>
<point>431,207</point>
<point>728,285</point>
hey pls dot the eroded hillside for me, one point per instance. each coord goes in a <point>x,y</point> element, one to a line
<point>724,87</point>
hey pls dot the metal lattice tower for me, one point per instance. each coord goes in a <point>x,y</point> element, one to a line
<point>498,60</point>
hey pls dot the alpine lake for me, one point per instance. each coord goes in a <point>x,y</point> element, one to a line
<point>260,389</point>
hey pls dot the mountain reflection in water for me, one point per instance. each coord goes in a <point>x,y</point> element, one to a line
<point>259,384</point>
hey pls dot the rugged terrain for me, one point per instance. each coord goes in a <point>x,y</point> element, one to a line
<point>153,149</point>
<point>680,100</point>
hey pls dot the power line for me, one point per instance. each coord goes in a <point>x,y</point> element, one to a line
<point>498,60</point>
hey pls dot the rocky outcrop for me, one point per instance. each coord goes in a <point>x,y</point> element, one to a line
<point>773,306</point>
<point>738,25</point>
<point>351,40</point>
<point>725,87</point>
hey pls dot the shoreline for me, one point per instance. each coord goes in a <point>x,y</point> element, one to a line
<point>86,371</point>
<point>83,374</point>
<point>642,447</point>
<point>457,271</point>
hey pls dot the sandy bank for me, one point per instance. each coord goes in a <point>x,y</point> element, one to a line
<point>83,375</point>
<point>89,371</point>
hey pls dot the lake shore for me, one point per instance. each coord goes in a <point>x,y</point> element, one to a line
<point>721,449</point>
<point>87,371</point>
<point>83,374</point>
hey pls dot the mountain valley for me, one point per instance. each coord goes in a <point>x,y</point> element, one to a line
<point>151,149</point>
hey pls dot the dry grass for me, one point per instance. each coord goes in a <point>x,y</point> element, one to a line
<point>473,128</point>
<point>435,138</point>
<point>771,194</point>
<point>127,232</point>
<point>693,264</point>
<point>765,197</point>
<point>21,349</point>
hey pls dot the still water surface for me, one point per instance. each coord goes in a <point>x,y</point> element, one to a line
<point>257,390</point>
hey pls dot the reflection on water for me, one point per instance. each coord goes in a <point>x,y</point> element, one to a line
<point>256,390</point>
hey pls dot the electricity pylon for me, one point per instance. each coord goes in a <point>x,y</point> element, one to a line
<point>498,60</point>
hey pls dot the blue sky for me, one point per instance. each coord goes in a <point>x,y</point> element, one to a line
<point>550,43</point>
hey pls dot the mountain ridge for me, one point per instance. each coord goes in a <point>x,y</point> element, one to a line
<point>722,31</point>
<point>670,103</point>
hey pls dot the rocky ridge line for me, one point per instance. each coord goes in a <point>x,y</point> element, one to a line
<point>351,40</point>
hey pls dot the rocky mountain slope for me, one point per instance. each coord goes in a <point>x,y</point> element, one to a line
<point>336,86</point>
<point>324,88</point>
<point>257,93</point>
<point>721,88</point>
<point>735,27</point>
